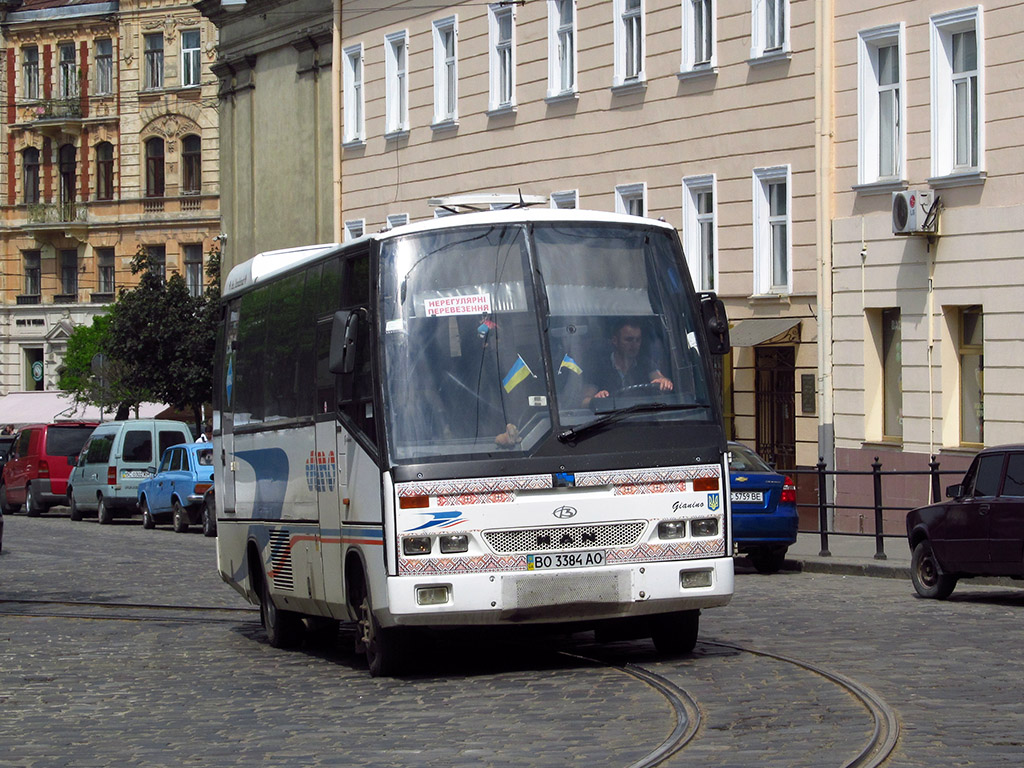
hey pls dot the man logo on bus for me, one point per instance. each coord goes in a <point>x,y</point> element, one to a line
<point>714,502</point>
<point>321,469</point>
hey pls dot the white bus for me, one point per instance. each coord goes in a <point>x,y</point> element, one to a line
<point>503,417</point>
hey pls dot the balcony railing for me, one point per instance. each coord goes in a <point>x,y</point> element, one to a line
<point>56,109</point>
<point>57,213</point>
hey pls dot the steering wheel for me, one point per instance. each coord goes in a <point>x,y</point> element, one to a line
<point>633,390</point>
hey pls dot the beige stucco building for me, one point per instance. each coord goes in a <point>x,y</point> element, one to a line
<point>110,143</point>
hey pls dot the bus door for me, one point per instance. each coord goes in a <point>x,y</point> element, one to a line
<point>224,463</point>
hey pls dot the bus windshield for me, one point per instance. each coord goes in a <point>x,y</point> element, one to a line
<point>499,337</point>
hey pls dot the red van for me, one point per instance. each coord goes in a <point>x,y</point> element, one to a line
<point>36,473</point>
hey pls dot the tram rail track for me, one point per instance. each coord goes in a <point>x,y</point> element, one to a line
<point>684,707</point>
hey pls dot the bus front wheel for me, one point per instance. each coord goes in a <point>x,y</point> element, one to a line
<point>385,649</point>
<point>675,634</point>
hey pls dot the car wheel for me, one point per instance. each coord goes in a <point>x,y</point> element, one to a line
<point>209,521</point>
<point>103,516</point>
<point>147,518</point>
<point>284,628</point>
<point>675,634</point>
<point>927,575</point>
<point>9,509</point>
<point>768,559</point>
<point>76,513</point>
<point>180,517</point>
<point>387,653</point>
<point>32,508</point>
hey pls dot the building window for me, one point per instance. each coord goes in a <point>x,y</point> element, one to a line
<point>631,199</point>
<point>971,354</point>
<point>355,130</point>
<point>105,273</point>
<point>700,240</point>
<point>104,67</point>
<point>354,229</point>
<point>32,277</point>
<point>769,30</point>
<point>882,135</point>
<point>30,174</point>
<point>699,32</point>
<point>397,82</point>
<point>502,57</point>
<point>154,61</point>
<point>154,167</point>
<point>561,48</point>
<point>157,261</point>
<point>958,106</point>
<point>629,42</point>
<point>104,171</point>
<point>892,374</point>
<point>30,72</point>
<point>67,167</point>
<point>568,199</point>
<point>772,262</point>
<point>67,83</point>
<point>190,58</point>
<point>397,220</point>
<point>193,254</point>
<point>191,165</point>
<point>446,71</point>
<point>69,272</point>
<point>34,371</point>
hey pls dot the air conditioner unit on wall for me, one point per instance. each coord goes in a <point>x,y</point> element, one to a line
<point>910,210</point>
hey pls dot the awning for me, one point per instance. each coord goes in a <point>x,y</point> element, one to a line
<point>19,408</point>
<point>758,330</point>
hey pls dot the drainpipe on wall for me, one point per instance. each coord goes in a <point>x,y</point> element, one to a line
<point>824,120</point>
<point>336,119</point>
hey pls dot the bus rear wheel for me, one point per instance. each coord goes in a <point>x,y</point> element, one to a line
<point>675,634</point>
<point>386,650</point>
<point>284,628</point>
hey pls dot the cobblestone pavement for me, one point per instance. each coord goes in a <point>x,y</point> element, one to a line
<point>108,685</point>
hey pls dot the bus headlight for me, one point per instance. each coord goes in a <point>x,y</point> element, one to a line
<point>455,542</point>
<point>672,529</point>
<point>705,526</point>
<point>432,595</point>
<point>693,579</point>
<point>416,545</point>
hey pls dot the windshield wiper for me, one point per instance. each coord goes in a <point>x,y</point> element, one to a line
<point>574,433</point>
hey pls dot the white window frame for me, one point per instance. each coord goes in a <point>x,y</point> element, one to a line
<point>396,78</point>
<point>502,59</point>
<point>354,229</point>
<point>30,73</point>
<point>566,199</point>
<point>764,282</point>
<point>693,232</point>
<point>626,194</point>
<point>870,92</point>
<point>692,61</point>
<point>104,67</point>
<point>446,72</point>
<point>630,25</point>
<point>191,60</point>
<point>355,102</point>
<point>761,48</point>
<point>397,220</point>
<point>67,73</point>
<point>562,69</point>
<point>944,135</point>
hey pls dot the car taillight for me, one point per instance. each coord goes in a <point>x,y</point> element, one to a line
<point>201,488</point>
<point>788,491</point>
<point>111,475</point>
<point>44,469</point>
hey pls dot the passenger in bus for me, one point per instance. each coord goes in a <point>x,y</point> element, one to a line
<point>627,365</point>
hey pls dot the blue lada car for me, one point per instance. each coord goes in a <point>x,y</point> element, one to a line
<point>764,514</point>
<point>175,492</point>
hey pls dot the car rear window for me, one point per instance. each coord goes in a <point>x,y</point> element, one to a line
<point>169,438</point>
<point>745,460</point>
<point>66,441</point>
<point>138,446</point>
<point>205,457</point>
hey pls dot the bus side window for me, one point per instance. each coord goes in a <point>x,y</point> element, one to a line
<point>355,391</point>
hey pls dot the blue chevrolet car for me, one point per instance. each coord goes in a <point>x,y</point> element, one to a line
<point>764,516</point>
<point>176,490</point>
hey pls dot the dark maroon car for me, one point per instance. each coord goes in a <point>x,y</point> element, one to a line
<point>979,531</point>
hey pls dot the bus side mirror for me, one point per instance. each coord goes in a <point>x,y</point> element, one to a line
<point>716,323</point>
<point>344,331</point>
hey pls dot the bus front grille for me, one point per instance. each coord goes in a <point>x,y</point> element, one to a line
<point>564,537</point>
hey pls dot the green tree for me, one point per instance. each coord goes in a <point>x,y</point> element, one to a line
<point>91,376</point>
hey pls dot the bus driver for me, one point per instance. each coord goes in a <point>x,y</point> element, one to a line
<point>625,367</point>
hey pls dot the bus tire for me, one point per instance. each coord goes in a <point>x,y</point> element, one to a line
<point>284,628</point>
<point>386,651</point>
<point>675,634</point>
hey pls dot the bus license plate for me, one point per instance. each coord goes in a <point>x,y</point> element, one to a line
<point>551,562</point>
<point>749,496</point>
